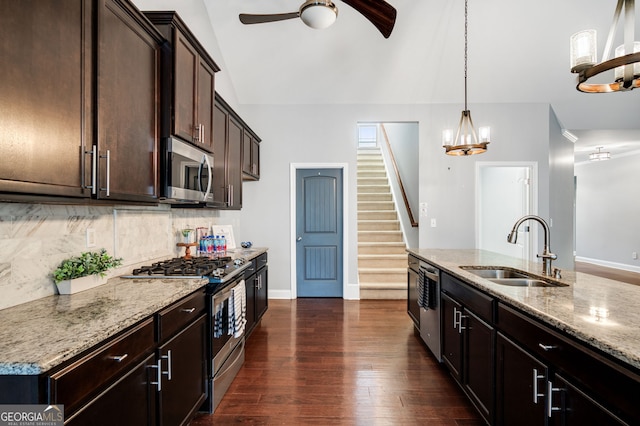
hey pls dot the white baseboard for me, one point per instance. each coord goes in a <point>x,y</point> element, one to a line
<point>280,294</point>
<point>609,264</point>
<point>352,292</point>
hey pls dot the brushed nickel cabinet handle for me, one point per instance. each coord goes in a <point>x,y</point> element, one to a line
<point>188,310</point>
<point>547,347</point>
<point>119,358</point>
<point>536,377</point>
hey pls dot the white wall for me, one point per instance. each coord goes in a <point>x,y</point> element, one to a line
<point>561,194</point>
<point>519,132</point>
<point>328,133</point>
<point>608,212</point>
<point>405,143</point>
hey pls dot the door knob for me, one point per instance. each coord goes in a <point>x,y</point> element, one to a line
<point>299,239</point>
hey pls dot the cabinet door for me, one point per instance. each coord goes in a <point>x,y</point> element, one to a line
<point>577,408</point>
<point>479,363</point>
<point>520,385</point>
<point>220,131</point>
<point>184,374</point>
<point>251,284</point>
<point>234,164</point>
<point>45,96</point>
<point>185,82</point>
<point>255,158</point>
<point>246,153</point>
<point>128,107</point>
<point>205,120</point>
<point>129,401</point>
<point>451,336</point>
<point>262,301</point>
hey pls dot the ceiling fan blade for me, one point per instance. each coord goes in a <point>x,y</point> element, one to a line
<point>246,18</point>
<point>381,14</point>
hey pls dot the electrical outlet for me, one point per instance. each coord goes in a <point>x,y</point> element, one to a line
<point>433,223</point>
<point>634,255</point>
<point>91,237</point>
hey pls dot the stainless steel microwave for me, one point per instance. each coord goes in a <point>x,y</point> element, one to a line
<point>187,172</point>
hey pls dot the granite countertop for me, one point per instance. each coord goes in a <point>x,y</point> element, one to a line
<point>602,313</point>
<point>39,335</point>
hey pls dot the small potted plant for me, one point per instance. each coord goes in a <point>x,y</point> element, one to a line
<point>84,272</point>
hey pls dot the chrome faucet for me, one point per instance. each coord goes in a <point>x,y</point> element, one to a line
<point>546,255</point>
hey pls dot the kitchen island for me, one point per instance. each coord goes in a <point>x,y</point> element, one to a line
<point>575,345</point>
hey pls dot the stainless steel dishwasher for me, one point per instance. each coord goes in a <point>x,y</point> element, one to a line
<point>429,302</point>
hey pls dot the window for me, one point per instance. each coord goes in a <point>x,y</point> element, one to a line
<point>367,136</point>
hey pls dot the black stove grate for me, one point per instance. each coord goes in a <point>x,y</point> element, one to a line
<point>196,266</point>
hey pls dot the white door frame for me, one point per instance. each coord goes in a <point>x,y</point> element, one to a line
<point>533,201</point>
<point>346,289</point>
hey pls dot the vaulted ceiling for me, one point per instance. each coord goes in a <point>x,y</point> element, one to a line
<point>518,52</point>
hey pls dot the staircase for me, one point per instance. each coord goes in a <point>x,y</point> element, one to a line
<point>382,257</point>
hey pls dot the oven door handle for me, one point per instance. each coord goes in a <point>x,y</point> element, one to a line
<point>239,348</point>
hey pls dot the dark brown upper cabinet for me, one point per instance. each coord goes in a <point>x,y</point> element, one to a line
<point>189,84</point>
<point>250,156</point>
<point>45,101</point>
<point>227,168</point>
<point>79,111</point>
<point>128,103</point>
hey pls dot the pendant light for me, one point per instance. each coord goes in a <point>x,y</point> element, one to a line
<point>466,141</point>
<point>627,65</point>
<point>599,155</point>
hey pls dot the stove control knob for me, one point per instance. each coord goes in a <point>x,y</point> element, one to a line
<point>238,261</point>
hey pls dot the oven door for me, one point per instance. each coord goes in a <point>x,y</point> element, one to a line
<point>223,341</point>
<point>188,172</point>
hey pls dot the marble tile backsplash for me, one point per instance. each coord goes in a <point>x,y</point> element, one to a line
<point>35,238</point>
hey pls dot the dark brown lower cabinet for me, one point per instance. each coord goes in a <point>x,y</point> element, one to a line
<point>257,291</point>
<point>521,382</point>
<point>184,374</point>
<point>577,408</point>
<point>468,352</point>
<point>129,401</point>
<point>451,336</point>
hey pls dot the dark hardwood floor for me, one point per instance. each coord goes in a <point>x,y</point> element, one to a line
<point>611,273</point>
<point>336,362</point>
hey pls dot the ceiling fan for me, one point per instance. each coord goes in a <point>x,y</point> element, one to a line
<point>322,13</point>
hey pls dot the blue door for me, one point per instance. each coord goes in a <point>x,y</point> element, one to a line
<point>319,232</point>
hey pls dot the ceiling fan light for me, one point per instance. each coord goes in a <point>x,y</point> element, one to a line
<point>318,14</point>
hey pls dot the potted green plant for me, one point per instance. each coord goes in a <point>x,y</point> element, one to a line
<point>84,272</point>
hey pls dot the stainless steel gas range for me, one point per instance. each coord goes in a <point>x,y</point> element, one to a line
<point>226,307</point>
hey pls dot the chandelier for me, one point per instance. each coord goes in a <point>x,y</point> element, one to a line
<point>626,65</point>
<point>466,141</point>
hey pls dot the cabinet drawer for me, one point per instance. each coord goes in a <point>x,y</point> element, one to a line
<point>176,316</point>
<point>261,261</point>
<point>478,302</point>
<point>605,380</point>
<point>73,384</point>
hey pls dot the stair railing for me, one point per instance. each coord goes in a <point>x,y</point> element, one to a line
<point>414,224</point>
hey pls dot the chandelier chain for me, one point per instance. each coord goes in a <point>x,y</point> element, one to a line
<point>466,25</point>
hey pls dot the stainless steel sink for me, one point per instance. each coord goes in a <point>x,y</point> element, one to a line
<point>511,277</point>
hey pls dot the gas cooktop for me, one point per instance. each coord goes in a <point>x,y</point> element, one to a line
<point>216,269</point>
